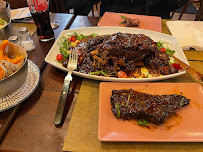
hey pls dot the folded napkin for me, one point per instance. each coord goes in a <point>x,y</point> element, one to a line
<point>20,13</point>
<point>188,33</point>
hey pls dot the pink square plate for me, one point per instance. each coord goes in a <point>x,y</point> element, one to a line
<point>185,126</point>
<point>152,23</point>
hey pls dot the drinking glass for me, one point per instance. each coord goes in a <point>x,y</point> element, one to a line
<point>40,13</point>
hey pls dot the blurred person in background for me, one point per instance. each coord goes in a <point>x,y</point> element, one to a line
<point>160,8</point>
<point>81,7</point>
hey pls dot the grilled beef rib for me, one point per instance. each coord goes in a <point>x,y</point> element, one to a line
<point>130,104</point>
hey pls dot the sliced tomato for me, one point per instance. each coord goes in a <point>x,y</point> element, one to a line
<point>177,66</point>
<point>122,74</point>
<point>59,57</point>
<point>73,39</point>
<point>163,50</point>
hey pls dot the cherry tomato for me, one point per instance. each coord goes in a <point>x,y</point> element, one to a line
<point>122,74</point>
<point>163,50</point>
<point>177,66</point>
<point>59,57</point>
<point>73,39</point>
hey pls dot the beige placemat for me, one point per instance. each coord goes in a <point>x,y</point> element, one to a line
<point>83,130</point>
<point>194,55</point>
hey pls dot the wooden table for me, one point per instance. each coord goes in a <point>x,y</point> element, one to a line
<point>33,128</point>
<point>83,129</point>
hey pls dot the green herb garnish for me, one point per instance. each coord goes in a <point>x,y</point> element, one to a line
<point>118,110</point>
<point>181,102</point>
<point>123,17</point>
<point>93,35</point>
<point>169,51</point>
<point>126,105</point>
<point>143,122</point>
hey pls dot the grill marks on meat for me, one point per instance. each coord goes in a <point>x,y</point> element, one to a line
<point>122,51</point>
<point>137,105</point>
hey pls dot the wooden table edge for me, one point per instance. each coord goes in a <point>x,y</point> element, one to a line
<point>8,123</point>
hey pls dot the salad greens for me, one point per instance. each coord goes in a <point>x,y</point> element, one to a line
<point>66,43</point>
<point>64,48</point>
<point>81,36</point>
<point>162,44</point>
<point>104,72</point>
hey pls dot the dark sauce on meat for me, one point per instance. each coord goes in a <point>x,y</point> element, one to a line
<point>153,108</point>
<point>122,52</point>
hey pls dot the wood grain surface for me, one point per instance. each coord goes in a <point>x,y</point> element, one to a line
<point>34,123</point>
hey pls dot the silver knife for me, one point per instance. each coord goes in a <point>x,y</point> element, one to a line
<point>62,102</point>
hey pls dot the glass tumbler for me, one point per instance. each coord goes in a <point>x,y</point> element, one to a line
<point>40,13</point>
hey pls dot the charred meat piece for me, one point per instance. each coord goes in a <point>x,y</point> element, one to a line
<point>130,104</point>
<point>131,22</point>
<point>122,51</point>
<point>128,46</point>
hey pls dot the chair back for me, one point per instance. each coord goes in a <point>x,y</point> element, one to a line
<point>199,16</point>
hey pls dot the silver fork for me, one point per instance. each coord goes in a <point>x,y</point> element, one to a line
<point>72,65</point>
